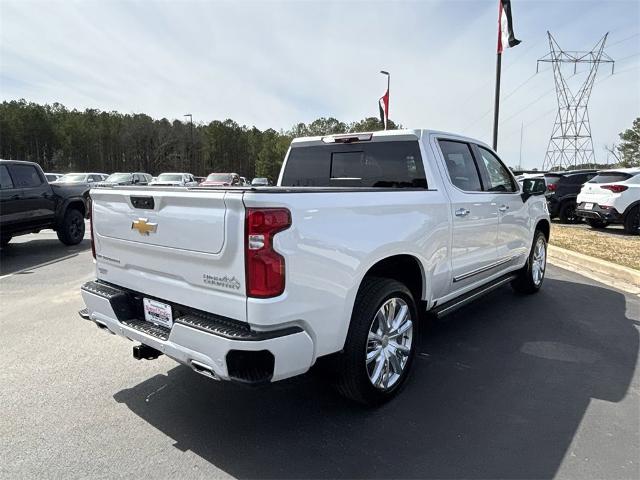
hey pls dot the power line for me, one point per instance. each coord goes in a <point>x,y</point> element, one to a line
<point>628,56</point>
<point>625,39</point>
<point>503,99</point>
<point>528,105</point>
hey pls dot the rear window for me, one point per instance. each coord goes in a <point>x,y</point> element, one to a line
<point>610,177</point>
<point>579,179</point>
<point>395,164</point>
<point>169,177</point>
<point>551,179</point>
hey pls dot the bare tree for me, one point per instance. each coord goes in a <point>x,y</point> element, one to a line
<point>613,150</point>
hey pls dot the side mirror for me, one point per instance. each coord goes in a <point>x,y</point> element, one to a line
<point>532,187</point>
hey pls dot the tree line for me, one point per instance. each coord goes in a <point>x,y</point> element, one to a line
<point>63,140</point>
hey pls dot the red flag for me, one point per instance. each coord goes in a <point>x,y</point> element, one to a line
<point>383,104</point>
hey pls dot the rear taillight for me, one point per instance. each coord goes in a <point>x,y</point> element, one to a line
<point>552,187</point>
<point>93,243</point>
<point>264,266</point>
<point>615,188</point>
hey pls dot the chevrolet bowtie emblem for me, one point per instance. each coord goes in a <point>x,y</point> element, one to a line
<point>144,227</point>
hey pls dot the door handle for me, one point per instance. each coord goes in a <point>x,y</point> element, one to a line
<point>462,212</point>
<point>503,208</point>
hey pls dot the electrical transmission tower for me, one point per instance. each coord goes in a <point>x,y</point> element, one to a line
<point>570,143</point>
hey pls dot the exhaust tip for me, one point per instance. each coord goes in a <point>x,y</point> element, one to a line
<point>203,369</point>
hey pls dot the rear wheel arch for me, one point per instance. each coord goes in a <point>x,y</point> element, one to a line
<point>403,268</point>
<point>629,207</point>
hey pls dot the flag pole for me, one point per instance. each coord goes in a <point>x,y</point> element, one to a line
<point>496,103</point>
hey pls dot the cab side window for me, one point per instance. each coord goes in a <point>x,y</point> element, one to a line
<point>5,179</point>
<point>498,177</point>
<point>25,176</point>
<point>460,165</point>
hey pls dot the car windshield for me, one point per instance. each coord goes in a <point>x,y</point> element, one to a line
<point>169,177</point>
<point>73,177</point>
<point>610,177</point>
<point>219,177</point>
<point>119,177</point>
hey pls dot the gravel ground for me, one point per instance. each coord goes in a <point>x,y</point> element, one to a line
<point>610,244</point>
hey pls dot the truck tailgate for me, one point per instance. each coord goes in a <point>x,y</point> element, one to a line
<point>174,244</point>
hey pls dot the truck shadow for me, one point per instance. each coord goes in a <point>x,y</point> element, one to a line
<point>23,257</point>
<point>497,392</point>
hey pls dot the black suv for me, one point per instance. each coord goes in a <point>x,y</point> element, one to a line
<point>562,190</point>
<point>28,204</point>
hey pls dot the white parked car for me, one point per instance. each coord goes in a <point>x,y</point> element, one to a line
<point>82,178</point>
<point>175,180</point>
<point>363,234</point>
<point>53,177</point>
<point>612,196</point>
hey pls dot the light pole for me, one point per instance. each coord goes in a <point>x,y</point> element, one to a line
<point>384,101</point>
<point>190,148</point>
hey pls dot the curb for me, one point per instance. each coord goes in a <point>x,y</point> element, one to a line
<point>609,273</point>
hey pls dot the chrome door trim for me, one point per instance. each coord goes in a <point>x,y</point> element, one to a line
<point>483,269</point>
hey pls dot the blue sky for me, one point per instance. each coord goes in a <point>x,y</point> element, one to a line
<point>273,64</point>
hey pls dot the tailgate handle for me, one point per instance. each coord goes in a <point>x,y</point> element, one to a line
<point>142,202</point>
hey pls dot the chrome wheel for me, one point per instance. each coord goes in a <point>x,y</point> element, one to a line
<point>539,261</point>
<point>389,343</point>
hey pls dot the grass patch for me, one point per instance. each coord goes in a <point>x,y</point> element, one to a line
<point>613,246</point>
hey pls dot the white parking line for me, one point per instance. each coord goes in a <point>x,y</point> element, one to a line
<point>44,264</point>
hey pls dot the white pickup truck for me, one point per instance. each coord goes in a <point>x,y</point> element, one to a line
<point>363,234</point>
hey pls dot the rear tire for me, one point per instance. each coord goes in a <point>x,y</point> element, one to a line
<point>632,221</point>
<point>595,223</point>
<point>567,212</point>
<point>531,276</point>
<point>71,232</point>
<point>381,342</point>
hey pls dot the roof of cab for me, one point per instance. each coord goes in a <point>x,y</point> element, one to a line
<point>382,135</point>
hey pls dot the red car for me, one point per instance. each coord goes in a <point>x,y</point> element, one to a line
<point>222,180</point>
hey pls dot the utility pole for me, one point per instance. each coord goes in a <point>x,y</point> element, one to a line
<point>190,148</point>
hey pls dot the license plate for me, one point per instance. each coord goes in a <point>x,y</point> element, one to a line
<point>157,312</point>
<point>588,206</point>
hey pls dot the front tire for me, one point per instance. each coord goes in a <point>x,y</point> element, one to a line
<point>632,221</point>
<point>531,276</point>
<point>71,232</point>
<point>380,344</point>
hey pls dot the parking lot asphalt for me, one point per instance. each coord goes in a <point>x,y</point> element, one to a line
<point>510,387</point>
